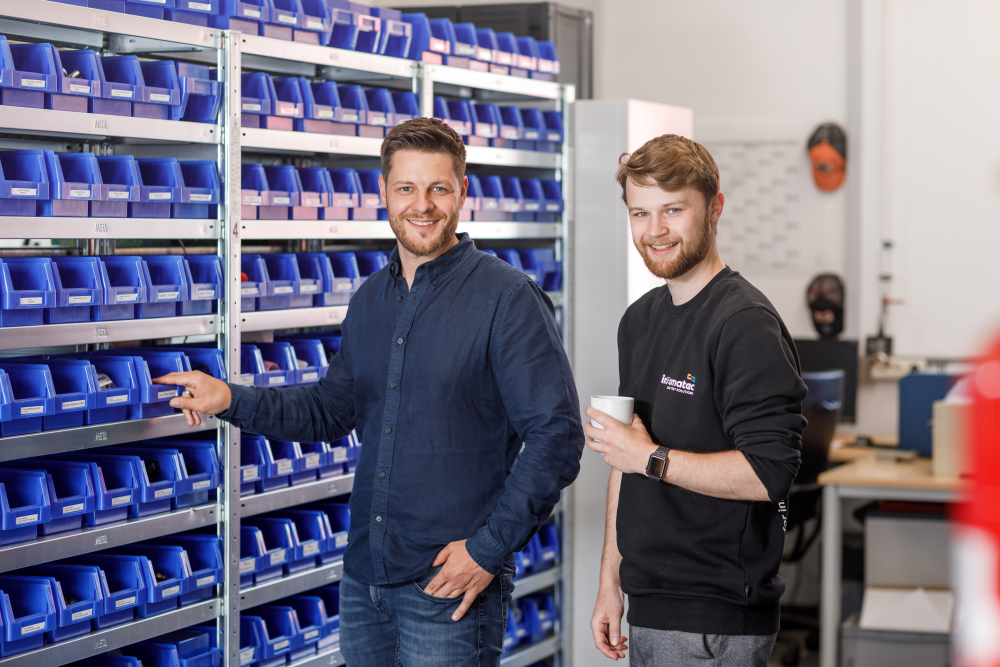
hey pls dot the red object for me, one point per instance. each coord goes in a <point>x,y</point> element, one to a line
<point>244,278</point>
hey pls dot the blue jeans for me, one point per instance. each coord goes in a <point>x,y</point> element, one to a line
<point>401,625</point>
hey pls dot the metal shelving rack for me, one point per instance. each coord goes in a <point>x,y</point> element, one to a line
<point>226,142</point>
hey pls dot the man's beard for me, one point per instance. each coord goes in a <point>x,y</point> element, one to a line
<point>690,252</point>
<point>428,246</point>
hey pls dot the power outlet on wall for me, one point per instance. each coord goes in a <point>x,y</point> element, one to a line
<point>893,368</point>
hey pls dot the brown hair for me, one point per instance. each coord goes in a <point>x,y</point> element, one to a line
<point>674,163</point>
<point>425,135</point>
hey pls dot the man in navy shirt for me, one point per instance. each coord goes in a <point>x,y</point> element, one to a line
<point>450,361</point>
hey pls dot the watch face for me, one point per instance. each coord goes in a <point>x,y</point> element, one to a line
<point>655,467</point>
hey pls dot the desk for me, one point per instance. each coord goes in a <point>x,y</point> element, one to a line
<point>869,478</point>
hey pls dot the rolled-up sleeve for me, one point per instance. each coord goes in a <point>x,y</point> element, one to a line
<point>759,394</point>
<point>540,399</point>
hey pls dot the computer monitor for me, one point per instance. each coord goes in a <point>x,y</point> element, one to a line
<point>825,355</point>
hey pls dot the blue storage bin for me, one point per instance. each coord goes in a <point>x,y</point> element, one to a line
<point>289,458</point>
<point>474,194</point>
<point>154,9</point>
<point>541,266</point>
<point>122,182</point>
<point>33,398</point>
<point>283,281</point>
<point>200,193</point>
<point>347,193</point>
<point>547,548</point>
<point>346,272</point>
<point>494,205</point>
<point>194,12</point>
<point>553,127</point>
<point>282,354</point>
<point>396,33</point>
<point>499,62</point>
<point>511,126</point>
<point>200,465</point>
<point>370,261</point>
<point>335,458</point>
<point>381,109</point>
<point>313,352</point>
<point>252,373</point>
<point>463,111</point>
<point>322,111</point>
<point>312,461</point>
<point>257,99</point>
<point>71,492</point>
<point>407,106</point>
<point>511,257</point>
<point>74,180</point>
<point>27,606</point>
<point>444,30</point>
<point>255,193</point>
<point>34,74</point>
<point>282,534</point>
<point>462,37</point>
<point>538,615</point>
<point>194,647</point>
<point>6,63</point>
<point>204,556</point>
<point>318,286</point>
<point>78,594</point>
<point>523,560</point>
<point>250,640</point>
<point>206,285</point>
<point>527,49</point>
<point>154,399</point>
<point>443,113</point>
<point>123,584</point>
<point>169,281</point>
<point>534,197</point>
<point>161,94</point>
<point>507,52</point>
<point>330,595</point>
<point>247,16</point>
<point>76,389</point>
<point>115,488</point>
<point>315,23</point>
<point>548,58</point>
<point>371,197</point>
<point>344,34</point>
<point>289,102</point>
<point>272,634</point>
<point>353,452</point>
<point>111,401</point>
<point>316,625</point>
<point>355,105</point>
<point>286,191</point>
<point>552,201</point>
<point>158,473</point>
<point>272,472</point>
<point>466,33</point>
<point>208,360</point>
<point>284,19</point>
<point>516,633</point>
<point>312,528</point>
<point>513,196</point>
<point>169,562</point>
<point>534,129</point>
<point>6,397</point>
<point>339,518</point>
<point>486,120</point>
<point>424,46</point>
<point>24,505</point>
<point>369,29</point>
<point>162,182</point>
<point>123,86</point>
<point>126,284</point>
<point>25,180</point>
<point>268,560</point>
<point>316,187</point>
<point>73,93</point>
<point>27,286</point>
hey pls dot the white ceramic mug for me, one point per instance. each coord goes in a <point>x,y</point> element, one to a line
<point>619,407</point>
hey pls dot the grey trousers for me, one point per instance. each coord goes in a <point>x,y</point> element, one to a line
<point>666,648</point>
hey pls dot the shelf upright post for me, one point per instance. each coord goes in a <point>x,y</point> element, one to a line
<point>424,77</point>
<point>230,66</point>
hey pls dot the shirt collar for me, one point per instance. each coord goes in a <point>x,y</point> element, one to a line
<point>443,266</point>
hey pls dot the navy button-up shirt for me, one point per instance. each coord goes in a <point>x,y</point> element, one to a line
<point>443,382</point>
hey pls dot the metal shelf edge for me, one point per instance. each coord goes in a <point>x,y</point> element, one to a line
<point>70,124</point>
<point>13,338</point>
<point>351,229</point>
<point>531,654</point>
<point>266,320</point>
<point>328,56</point>
<point>309,142</point>
<point>292,584</point>
<point>296,495</point>
<point>74,439</point>
<point>537,582</point>
<point>510,157</point>
<point>108,228</point>
<point>516,85</point>
<point>71,650</point>
<point>331,658</point>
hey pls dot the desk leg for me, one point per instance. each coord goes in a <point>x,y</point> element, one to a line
<point>829,616</point>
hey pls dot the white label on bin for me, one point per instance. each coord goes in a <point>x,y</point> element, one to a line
<point>32,83</point>
<point>201,197</point>
<point>314,25</point>
<point>308,550</point>
<point>79,193</point>
<point>278,557</point>
<point>281,645</point>
<point>163,493</point>
<point>159,195</point>
<point>204,581</point>
<point>284,289</point>
<point>77,88</point>
<point>246,655</point>
<point>308,288</point>
<point>246,380</point>
<point>282,201</point>
<point>312,460</point>
<point>117,194</point>
<point>339,454</point>
<point>552,207</point>
<point>311,201</point>
<point>251,107</point>
<point>126,297</point>
<point>554,136</point>
<point>166,295</point>
<point>286,111</point>
<point>28,629</point>
<point>205,293</point>
<point>284,467</point>
<point>377,120</point>
<point>69,405</point>
<point>200,6</point>
<point>159,97</point>
<point>121,93</point>
<point>276,379</point>
<point>117,399</point>
<point>311,634</point>
<point>31,301</point>
<point>529,134</point>
<point>249,473</point>
<point>125,602</point>
<point>27,518</point>
<point>82,614</point>
<point>324,113</point>
<point>350,118</point>
<point>285,18</point>
<point>254,14</point>
<point>169,393</point>
<point>173,590</point>
<point>121,500</point>
<point>346,203</point>
<point>340,541</point>
<point>344,285</point>
<point>249,290</point>
<point>79,299</point>
<point>200,485</point>
<point>247,566</point>
<point>24,192</point>
<point>32,410</point>
<point>309,377</point>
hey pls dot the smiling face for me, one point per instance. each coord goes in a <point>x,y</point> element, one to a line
<point>673,231</point>
<point>423,196</point>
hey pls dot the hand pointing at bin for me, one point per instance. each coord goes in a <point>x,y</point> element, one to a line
<point>203,395</point>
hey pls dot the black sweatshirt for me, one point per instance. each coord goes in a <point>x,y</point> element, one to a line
<point>719,372</point>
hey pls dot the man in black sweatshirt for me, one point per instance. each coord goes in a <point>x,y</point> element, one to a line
<point>697,500</point>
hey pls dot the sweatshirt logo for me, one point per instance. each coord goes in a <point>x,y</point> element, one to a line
<point>680,386</point>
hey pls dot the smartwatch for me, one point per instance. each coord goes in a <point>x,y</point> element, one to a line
<point>656,468</point>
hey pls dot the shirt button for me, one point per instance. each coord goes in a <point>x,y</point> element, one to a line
<point>388,430</point>
<point>379,518</point>
<point>434,282</point>
<point>393,385</point>
<point>381,473</point>
<point>399,298</point>
<point>399,341</point>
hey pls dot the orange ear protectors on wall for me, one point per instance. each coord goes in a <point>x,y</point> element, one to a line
<point>828,154</point>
